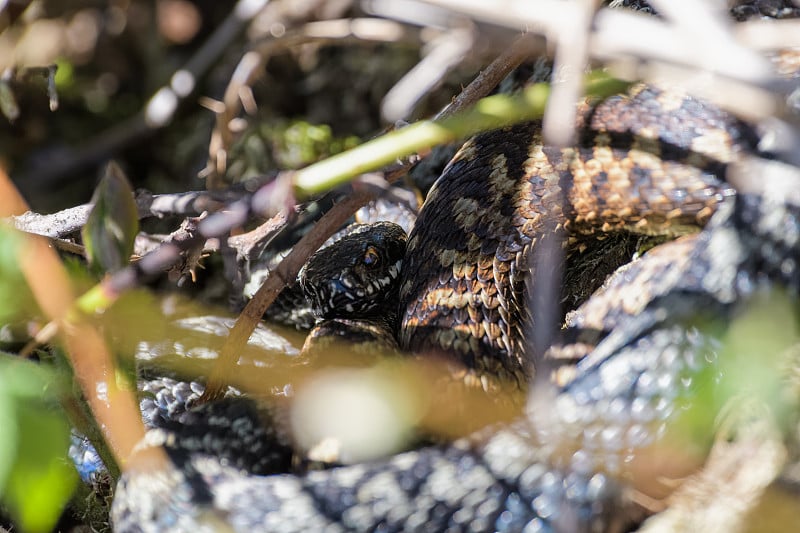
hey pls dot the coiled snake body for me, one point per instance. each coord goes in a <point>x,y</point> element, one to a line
<point>469,256</point>
<point>651,162</point>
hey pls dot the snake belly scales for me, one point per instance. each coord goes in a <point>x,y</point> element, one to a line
<point>652,164</point>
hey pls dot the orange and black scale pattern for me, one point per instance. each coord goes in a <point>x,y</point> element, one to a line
<point>649,162</point>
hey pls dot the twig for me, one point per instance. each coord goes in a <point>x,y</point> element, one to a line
<point>248,245</point>
<point>164,257</point>
<point>524,47</point>
<point>621,35</point>
<point>545,19</point>
<point>763,177</point>
<point>193,203</point>
<point>446,52</point>
<point>57,225</point>
<point>13,76</point>
<point>630,33</point>
<point>197,238</point>
<point>558,125</point>
<point>68,246</point>
<point>161,107</point>
<point>698,37</point>
<point>768,34</point>
<point>571,58</point>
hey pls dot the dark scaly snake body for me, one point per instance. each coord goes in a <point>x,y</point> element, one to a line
<point>469,255</point>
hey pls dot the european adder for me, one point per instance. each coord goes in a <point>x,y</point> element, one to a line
<point>651,162</point>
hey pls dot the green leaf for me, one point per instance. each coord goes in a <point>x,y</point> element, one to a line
<point>65,74</point>
<point>137,315</point>
<point>8,444</point>
<point>36,480</point>
<point>757,350</point>
<point>113,223</point>
<point>41,480</point>
<point>15,298</point>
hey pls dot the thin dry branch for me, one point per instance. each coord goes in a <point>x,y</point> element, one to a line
<point>571,59</point>
<point>695,46</point>
<point>69,221</point>
<point>446,51</point>
<point>721,69</point>
<point>768,34</point>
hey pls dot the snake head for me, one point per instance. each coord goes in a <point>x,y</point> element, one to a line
<point>356,276</point>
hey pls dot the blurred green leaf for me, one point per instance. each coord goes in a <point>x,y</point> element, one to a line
<point>64,74</point>
<point>113,223</point>
<point>134,317</point>
<point>301,143</point>
<point>283,144</point>
<point>36,481</point>
<point>8,444</point>
<point>756,351</point>
<point>41,480</point>
<point>754,359</point>
<point>15,298</point>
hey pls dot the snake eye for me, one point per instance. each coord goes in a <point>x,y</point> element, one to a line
<point>371,257</point>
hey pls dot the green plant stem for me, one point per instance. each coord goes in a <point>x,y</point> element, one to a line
<point>489,113</point>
